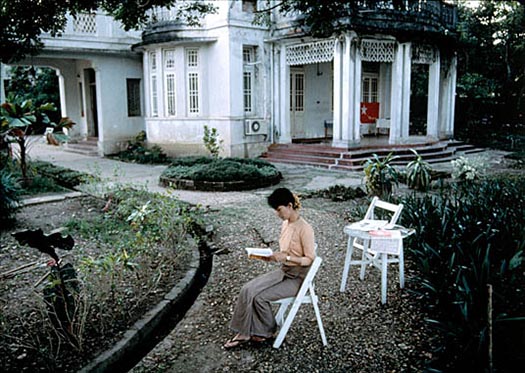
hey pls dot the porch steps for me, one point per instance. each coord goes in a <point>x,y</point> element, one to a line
<point>461,147</point>
<point>354,159</point>
<point>86,147</point>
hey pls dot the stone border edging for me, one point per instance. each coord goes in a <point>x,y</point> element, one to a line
<point>124,354</point>
<point>219,186</point>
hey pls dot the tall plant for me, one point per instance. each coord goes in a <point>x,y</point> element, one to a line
<point>380,175</point>
<point>212,142</point>
<point>19,121</point>
<point>418,173</point>
<point>466,239</point>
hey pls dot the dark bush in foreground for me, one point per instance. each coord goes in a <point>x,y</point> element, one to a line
<point>9,195</point>
<point>468,240</point>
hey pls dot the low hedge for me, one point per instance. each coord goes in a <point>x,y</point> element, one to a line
<point>222,174</point>
<point>64,177</point>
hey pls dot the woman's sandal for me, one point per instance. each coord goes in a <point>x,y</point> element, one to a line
<point>234,342</point>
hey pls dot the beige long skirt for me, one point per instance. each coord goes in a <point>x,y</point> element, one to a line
<point>253,313</point>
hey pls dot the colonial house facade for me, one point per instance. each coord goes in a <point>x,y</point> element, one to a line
<point>257,84</point>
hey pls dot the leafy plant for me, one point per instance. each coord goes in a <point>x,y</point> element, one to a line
<point>18,121</point>
<point>466,239</point>
<point>225,169</point>
<point>418,173</point>
<point>467,169</point>
<point>212,142</point>
<point>9,195</point>
<point>380,175</point>
<point>138,152</point>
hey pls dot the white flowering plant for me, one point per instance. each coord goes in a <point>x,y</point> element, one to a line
<point>468,169</point>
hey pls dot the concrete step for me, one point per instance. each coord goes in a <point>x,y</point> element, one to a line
<point>88,147</point>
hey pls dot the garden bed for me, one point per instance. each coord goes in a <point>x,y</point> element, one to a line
<point>219,175</point>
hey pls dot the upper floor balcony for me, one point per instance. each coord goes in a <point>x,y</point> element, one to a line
<point>94,32</point>
<point>430,16</point>
<point>417,18</point>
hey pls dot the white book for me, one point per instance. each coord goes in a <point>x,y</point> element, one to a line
<point>258,252</point>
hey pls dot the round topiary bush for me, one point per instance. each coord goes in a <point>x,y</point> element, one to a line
<point>223,174</point>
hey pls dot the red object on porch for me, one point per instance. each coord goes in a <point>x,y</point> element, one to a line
<point>369,112</point>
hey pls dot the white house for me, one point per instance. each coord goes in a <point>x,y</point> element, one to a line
<point>257,84</point>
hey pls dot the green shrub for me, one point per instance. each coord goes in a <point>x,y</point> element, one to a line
<point>418,174</point>
<point>338,193</point>
<point>380,176</point>
<point>9,195</point>
<point>225,170</point>
<point>138,152</point>
<point>212,142</point>
<point>62,176</point>
<point>466,238</point>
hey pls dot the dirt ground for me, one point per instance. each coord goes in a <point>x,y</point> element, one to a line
<point>363,335</point>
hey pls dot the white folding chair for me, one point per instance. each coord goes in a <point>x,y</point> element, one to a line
<point>306,294</point>
<point>368,256</point>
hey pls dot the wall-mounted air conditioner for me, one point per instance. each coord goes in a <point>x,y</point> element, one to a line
<point>255,127</point>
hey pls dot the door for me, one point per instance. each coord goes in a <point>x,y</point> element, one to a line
<point>297,99</point>
<point>92,117</point>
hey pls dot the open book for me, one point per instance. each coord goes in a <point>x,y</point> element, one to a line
<point>258,253</point>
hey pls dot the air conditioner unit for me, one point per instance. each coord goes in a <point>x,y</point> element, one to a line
<point>255,127</point>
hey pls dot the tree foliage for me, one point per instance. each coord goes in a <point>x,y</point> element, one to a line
<point>23,21</point>
<point>492,61</point>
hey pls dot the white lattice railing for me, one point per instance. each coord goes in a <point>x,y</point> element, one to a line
<point>85,23</point>
<point>308,53</point>
<point>377,50</point>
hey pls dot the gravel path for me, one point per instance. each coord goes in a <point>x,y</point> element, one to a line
<point>363,335</point>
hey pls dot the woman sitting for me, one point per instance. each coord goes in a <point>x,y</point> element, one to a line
<point>253,319</point>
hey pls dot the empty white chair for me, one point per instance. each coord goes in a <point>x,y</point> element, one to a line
<point>306,294</point>
<point>362,241</point>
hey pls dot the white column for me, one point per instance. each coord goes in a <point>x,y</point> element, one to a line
<point>433,98</point>
<point>285,135</point>
<point>447,100</point>
<point>350,86</point>
<point>62,93</point>
<point>356,109</point>
<point>452,99</point>
<point>338,73</point>
<point>2,88</point>
<point>400,97</point>
<point>407,70</point>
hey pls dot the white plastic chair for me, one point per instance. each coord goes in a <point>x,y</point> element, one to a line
<point>306,294</point>
<point>368,255</point>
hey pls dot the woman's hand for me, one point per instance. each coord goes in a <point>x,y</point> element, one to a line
<point>278,257</point>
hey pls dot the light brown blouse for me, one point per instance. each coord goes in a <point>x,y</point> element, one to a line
<point>297,240</point>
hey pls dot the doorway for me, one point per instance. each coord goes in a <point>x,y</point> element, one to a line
<point>92,113</point>
<point>297,100</point>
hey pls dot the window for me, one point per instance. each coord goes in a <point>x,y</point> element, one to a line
<point>193,92</point>
<point>248,59</point>
<point>170,94</point>
<point>170,82</point>
<point>297,91</point>
<point>249,6</point>
<point>133,89</point>
<point>153,85</point>
<point>370,88</point>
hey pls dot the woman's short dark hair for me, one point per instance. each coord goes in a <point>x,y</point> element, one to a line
<point>282,197</point>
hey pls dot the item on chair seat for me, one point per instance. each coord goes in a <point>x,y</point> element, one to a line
<point>377,239</point>
<point>306,294</point>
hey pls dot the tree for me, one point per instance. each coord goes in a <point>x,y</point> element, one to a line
<point>492,61</point>
<point>19,121</point>
<point>23,21</point>
<point>40,85</point>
